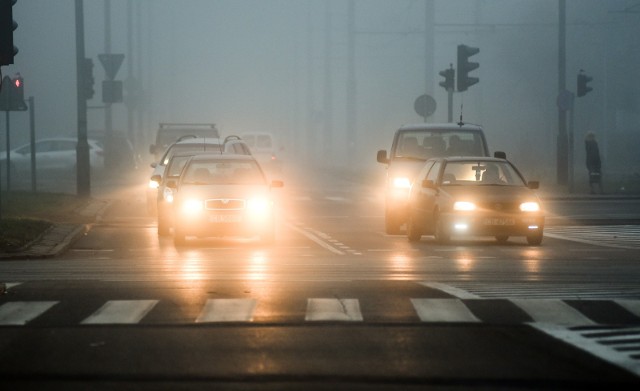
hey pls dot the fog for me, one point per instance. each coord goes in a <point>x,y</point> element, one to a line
<point>282,66</point>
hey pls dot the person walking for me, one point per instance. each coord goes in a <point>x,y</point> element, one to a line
<point>594,164</point>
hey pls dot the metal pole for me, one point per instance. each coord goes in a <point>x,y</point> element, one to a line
<point>82,149</point>
<point>351,85</point>
<point>32,138</point>
<point>562,161</point>
<point>8,141</point>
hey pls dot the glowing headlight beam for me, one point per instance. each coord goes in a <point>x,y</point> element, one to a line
<point>258,206</point>
<point>192,206</point>
<point>401,183</point>
<point>464,206</point>
<point>530,207</point>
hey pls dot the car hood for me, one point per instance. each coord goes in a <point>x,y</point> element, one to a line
<point>490,193</point>
<point>223,191</point>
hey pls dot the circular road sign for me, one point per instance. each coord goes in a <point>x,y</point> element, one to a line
<point>425,105</point>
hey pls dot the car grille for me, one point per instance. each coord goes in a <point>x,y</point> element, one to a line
<point>224,204</point>
<point>501,206</point>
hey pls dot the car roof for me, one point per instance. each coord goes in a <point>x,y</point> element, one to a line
<point>228,156</point>
<point>440,126</point>
<point>200,140</point>
<point>470,159</point>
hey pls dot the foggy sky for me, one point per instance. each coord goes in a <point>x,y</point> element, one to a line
<point>260,65</point>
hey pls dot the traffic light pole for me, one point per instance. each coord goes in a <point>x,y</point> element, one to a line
<point>8,143</point>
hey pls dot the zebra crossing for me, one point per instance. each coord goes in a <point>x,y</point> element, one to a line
<point>613,236</point>
<point>427,310</point>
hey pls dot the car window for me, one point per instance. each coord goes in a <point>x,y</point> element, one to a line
<point>44,146</point>
<point>481,173</point>
<point>423,172</point>
<point>223,172</point>
<point>424,144</point>
<point>175,166</point>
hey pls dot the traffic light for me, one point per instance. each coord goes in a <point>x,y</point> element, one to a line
<point>7,26</point>
<point>583,79</point>
<point>16,95</point>
<point>449,78</point>
<point>87,78</point>
<point>464,67</point>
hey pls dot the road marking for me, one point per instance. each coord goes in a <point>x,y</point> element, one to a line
<point>333,309</point>
<point>21,312</point>
<point>121,312</point>
<point>614,236</point>
<point>632,306</point>
<point>227,310</point>
<point>552,311</point>
<point>588,340</point>
<point>453,291</point>
<point>443,310</point>
<point>315,238</point>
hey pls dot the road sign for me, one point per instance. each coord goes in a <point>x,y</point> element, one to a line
<point>111,64</point>
<point>425,105</point>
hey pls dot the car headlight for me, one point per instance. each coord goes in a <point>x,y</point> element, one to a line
<point>531,206</point>
<point>167,194</point>
<point>464,206</point>
<point>258,206</point>
<point>153,184</point>
<point>401,183</point>
<point>192,206</point>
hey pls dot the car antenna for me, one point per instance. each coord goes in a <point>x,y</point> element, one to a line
<point>461,107</point>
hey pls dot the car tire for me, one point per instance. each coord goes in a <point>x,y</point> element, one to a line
<point>502,238</point>
<point>535,239</point>
<point>391,224</point>
<point>442,234</point>
<point>414,230</point>
<point>163,226</point>
<point>179,237</point>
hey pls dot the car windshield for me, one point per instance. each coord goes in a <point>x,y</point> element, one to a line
<point>424,144</point>
<point>223,172</point>
<point>480,173</point>
<point>188,148</point>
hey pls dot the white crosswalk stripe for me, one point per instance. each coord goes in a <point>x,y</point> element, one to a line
<point>21,312</point>
<point>333,309</point>
<point>615,236</point>
<point>121,312</point>
<point>552,311</point>
<point>227,310</point>
<point>443,310</point>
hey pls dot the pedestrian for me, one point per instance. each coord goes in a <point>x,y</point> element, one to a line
<point>594,164</point>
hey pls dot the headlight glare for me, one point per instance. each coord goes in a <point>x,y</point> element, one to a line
<point>258,206</point>
<point>464,206</point>
<point>153,184</point>
<point>401,183</point>
<point>530,207</point>
<point>192,206</point>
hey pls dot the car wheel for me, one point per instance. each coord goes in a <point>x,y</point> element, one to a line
<point>442,234</point>
<point>179,237</point>
<point>502,238</point>
<point>535,239</point>
<point>163,225</point>
<point>414,230</point>
<point>391,224</point>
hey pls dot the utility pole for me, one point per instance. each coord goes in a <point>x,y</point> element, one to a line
<point>82,150</point>
<point>108,114</point>
<point>351,86</point>
<point>562,152</point>
<point>327,152</point>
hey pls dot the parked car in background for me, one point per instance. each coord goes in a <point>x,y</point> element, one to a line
<point>474,196</point>
<point>222,195</point>
<point>57,154</point>
<point>412,145</point>
<point>263,148</point>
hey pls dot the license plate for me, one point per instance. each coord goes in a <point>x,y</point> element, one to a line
<point>225,218</point>
<point>499,221</point>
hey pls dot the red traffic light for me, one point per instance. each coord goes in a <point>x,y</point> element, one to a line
<point>17,82</point>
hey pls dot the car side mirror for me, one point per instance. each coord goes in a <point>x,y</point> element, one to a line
<point>533,185</point>
<point>172,184</point>
<point>277,183</point>
<point>500,154</point>
<point>382,156</point>
<point>428,184</point>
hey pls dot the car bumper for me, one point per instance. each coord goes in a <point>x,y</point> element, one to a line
<point>223,224</point>
<point>492,224</point>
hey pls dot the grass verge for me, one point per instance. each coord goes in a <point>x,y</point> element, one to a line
<point>25,215</point>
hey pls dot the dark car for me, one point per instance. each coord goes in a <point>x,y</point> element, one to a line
<point>222,195</point>
<point>476,196</point>
<point>412,145</point>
